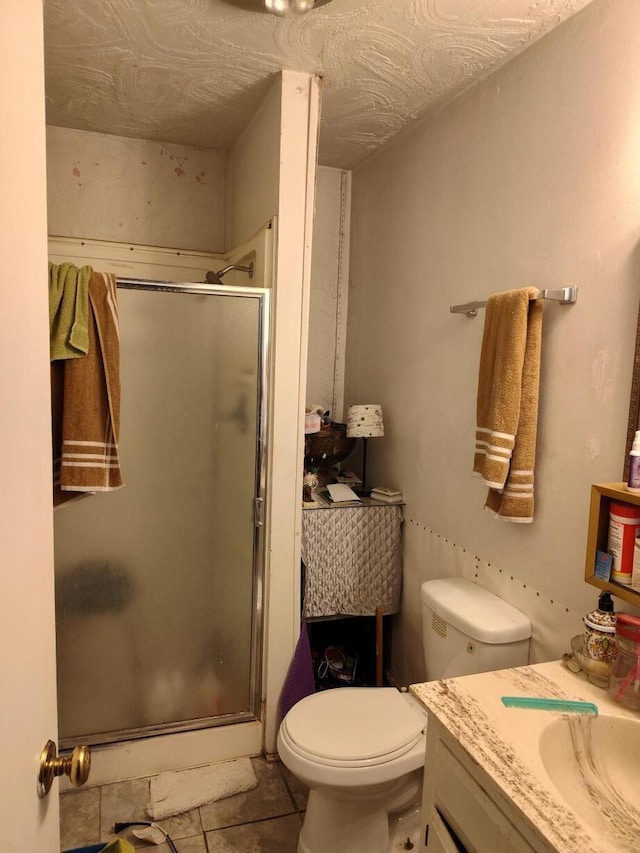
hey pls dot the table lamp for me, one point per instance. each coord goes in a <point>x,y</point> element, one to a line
<point>365,422</point>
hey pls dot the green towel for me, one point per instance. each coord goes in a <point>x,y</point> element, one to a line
<point>68,311</point>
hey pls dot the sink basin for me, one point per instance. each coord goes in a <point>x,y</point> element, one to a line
<point>593,762</point>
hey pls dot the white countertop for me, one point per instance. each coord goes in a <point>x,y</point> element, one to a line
<point>503,742</point>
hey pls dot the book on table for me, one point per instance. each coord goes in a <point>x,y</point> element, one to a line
<point>381,493</point>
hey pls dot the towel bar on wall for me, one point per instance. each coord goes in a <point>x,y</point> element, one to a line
<point>564,295</point>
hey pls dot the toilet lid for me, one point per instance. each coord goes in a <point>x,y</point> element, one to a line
<point>354,724</point>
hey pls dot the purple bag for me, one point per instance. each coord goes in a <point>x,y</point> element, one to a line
<point>299,681</point>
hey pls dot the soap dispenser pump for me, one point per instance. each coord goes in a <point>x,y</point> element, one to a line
<point>600,631</point>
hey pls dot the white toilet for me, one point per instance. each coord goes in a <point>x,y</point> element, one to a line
<point>361,750</point>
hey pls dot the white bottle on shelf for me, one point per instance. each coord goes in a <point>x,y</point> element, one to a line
<point>633,480</point>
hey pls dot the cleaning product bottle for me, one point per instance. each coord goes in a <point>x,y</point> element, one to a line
<point>624,523</point>
<point>600,631</point>
<point>633,480</point>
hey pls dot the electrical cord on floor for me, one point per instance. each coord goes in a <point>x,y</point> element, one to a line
<point>120,826</point>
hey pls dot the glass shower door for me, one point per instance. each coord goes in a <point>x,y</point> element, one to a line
<point>158,584</point>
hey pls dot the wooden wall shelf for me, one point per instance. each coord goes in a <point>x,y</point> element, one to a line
<point>602,494</point>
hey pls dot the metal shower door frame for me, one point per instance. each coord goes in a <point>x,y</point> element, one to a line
<point>259,550</point>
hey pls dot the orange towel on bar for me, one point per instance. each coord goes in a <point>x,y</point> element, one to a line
<point>86,403</point>
<point>507,406</point>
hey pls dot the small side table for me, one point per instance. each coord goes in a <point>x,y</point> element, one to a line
<point>353,561</point>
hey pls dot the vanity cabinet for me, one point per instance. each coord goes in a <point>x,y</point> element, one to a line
<point>602,494</point>
<point>460,815</point>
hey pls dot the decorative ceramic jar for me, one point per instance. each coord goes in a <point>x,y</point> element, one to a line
<point>600,631</point>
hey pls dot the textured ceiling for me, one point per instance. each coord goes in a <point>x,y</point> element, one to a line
<point>194,71</point>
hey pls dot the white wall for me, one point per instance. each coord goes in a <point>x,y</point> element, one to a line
<point>134,190</point>
<point>254,172</point>
<point>531,178</point>
<point>296,187</point>
<point>27,639</point>
<point>329,287</point>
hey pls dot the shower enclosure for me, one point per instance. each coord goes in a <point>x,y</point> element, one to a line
<point>159,585</point>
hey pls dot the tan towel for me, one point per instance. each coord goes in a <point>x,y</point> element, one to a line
<point>86,403</point>
<point>68,311</point>
<point>507,407</point>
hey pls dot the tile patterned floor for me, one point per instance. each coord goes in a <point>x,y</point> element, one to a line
<point>265,820</point>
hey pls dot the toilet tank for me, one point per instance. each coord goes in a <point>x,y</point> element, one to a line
<point>467,629</point>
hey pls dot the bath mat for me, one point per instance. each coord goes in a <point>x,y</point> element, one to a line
<point>179,791</point>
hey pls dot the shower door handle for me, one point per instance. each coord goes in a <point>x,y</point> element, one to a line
<point>258,507</point>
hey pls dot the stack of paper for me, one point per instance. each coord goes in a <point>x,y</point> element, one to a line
<point>341,493</point>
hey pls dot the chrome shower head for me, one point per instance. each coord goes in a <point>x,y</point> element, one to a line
<point>215,276</point>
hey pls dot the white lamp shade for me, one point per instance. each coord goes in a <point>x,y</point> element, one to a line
<point>365,421</point>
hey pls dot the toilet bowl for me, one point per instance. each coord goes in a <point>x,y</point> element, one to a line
<point>360,750</point>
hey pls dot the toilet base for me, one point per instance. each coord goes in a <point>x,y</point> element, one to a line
<point>360,821</point>
<point>405,827</point>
